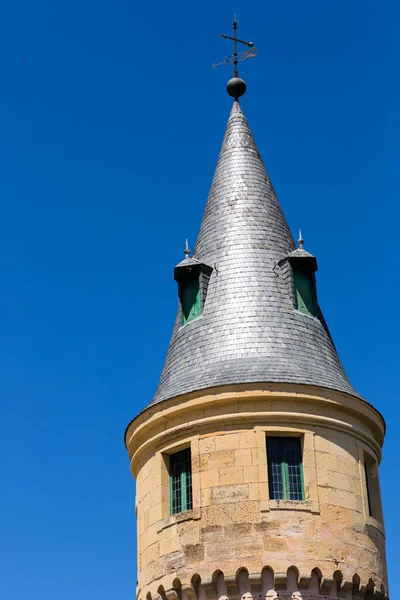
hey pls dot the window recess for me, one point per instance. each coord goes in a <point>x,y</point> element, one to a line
<point>304,265</point>
<point>180,481</point>
<point>192,277</point>
<point>373,494</point>
<point>304,292</point>
<point>190,300</point>
<point>285,468</point>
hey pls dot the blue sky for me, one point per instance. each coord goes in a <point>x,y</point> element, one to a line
<point>110,132</point>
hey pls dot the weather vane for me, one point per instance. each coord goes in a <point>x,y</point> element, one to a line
<point>236,57</point>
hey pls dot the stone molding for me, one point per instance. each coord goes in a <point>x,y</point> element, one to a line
<point>268,585</point>
<point>253,403</point>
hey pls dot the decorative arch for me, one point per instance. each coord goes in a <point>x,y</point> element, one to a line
<point>268,585</point>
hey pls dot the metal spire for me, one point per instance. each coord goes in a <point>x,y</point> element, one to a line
<point>301,241</point>
<point>187,251</point>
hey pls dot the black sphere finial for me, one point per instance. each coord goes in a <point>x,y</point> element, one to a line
<point>236,87</point>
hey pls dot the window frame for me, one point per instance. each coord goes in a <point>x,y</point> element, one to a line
<point>372,488</point>
<point>368,457</point>
<point>191,309</point>
<point>285,442</point>
<point>307,308</point>
<point>187,274</point>
<point>368,486</point>
<point>181,459</point>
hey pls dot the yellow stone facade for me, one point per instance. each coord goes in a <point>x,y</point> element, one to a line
<point>236,542</point>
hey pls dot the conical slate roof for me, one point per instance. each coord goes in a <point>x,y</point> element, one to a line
<point>249,330</point>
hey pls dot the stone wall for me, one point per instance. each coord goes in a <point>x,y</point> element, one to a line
<point>234,527</point>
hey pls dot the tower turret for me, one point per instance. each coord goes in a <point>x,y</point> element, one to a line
<point>256,462</point>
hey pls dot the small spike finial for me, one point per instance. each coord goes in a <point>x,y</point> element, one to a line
<point>187,250</point>
<point>301,241</point>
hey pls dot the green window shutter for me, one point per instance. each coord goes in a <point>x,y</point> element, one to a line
<point>276,468</point>
<point>285,468</point>
<point>294,469</point>
<point>180,482</point>
<point>304,293</point>
<point>191,307</point>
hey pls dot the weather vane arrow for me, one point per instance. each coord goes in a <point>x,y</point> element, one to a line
<point>236,57</point>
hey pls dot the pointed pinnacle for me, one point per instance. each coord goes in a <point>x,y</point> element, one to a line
<point>301,241</point>
<point>187,251</point>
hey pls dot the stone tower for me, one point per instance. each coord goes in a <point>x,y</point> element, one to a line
<point>256,462</point>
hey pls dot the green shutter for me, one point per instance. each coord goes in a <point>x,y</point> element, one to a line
<point>180,482</point>
<point>190,299</point>
<point>304,293</point>
<point>285,468</point>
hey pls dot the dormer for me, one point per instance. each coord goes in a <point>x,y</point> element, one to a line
<point>192,277</point>
<point>304,265</point>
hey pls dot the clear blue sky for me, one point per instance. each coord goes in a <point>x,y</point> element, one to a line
<point>109,135</point>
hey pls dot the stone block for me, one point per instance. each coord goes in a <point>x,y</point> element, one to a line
<point>267,528</point>
<point>236,530</point>
<point>274,544</point>
<point>196,496</point>
<point>230,493</point>
<point>325,460</point>
<point>169,545</point>
<point>340,448</point>
<point>207,444</point>
<point>195,480</point>
<point>247,548</point>
<point>155,514</point>
<point>342,498</point>
<point>175,561</point>
<point>243,457</point>
<point>194,554</point>
<point>247,511</point>
<point>206,497</point>
<point>258,456</point>
<point>348,465</point>
<point>211,532</point>
<point>189,535</point>
<point>217,460</point>
<point>153,569</point>
<point>263,490</point>
<point>152,535</point>
<point>247,439</point>
<point>209,479</point>
<point>230,475</point>
<point>218,514</point>
<point>151,553</point>
<point>220,552</point>
<point>228,441</point>
<point>254,491</point>
<point>263,472</point>
<point>251,474</point>
<point>331,513</point>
